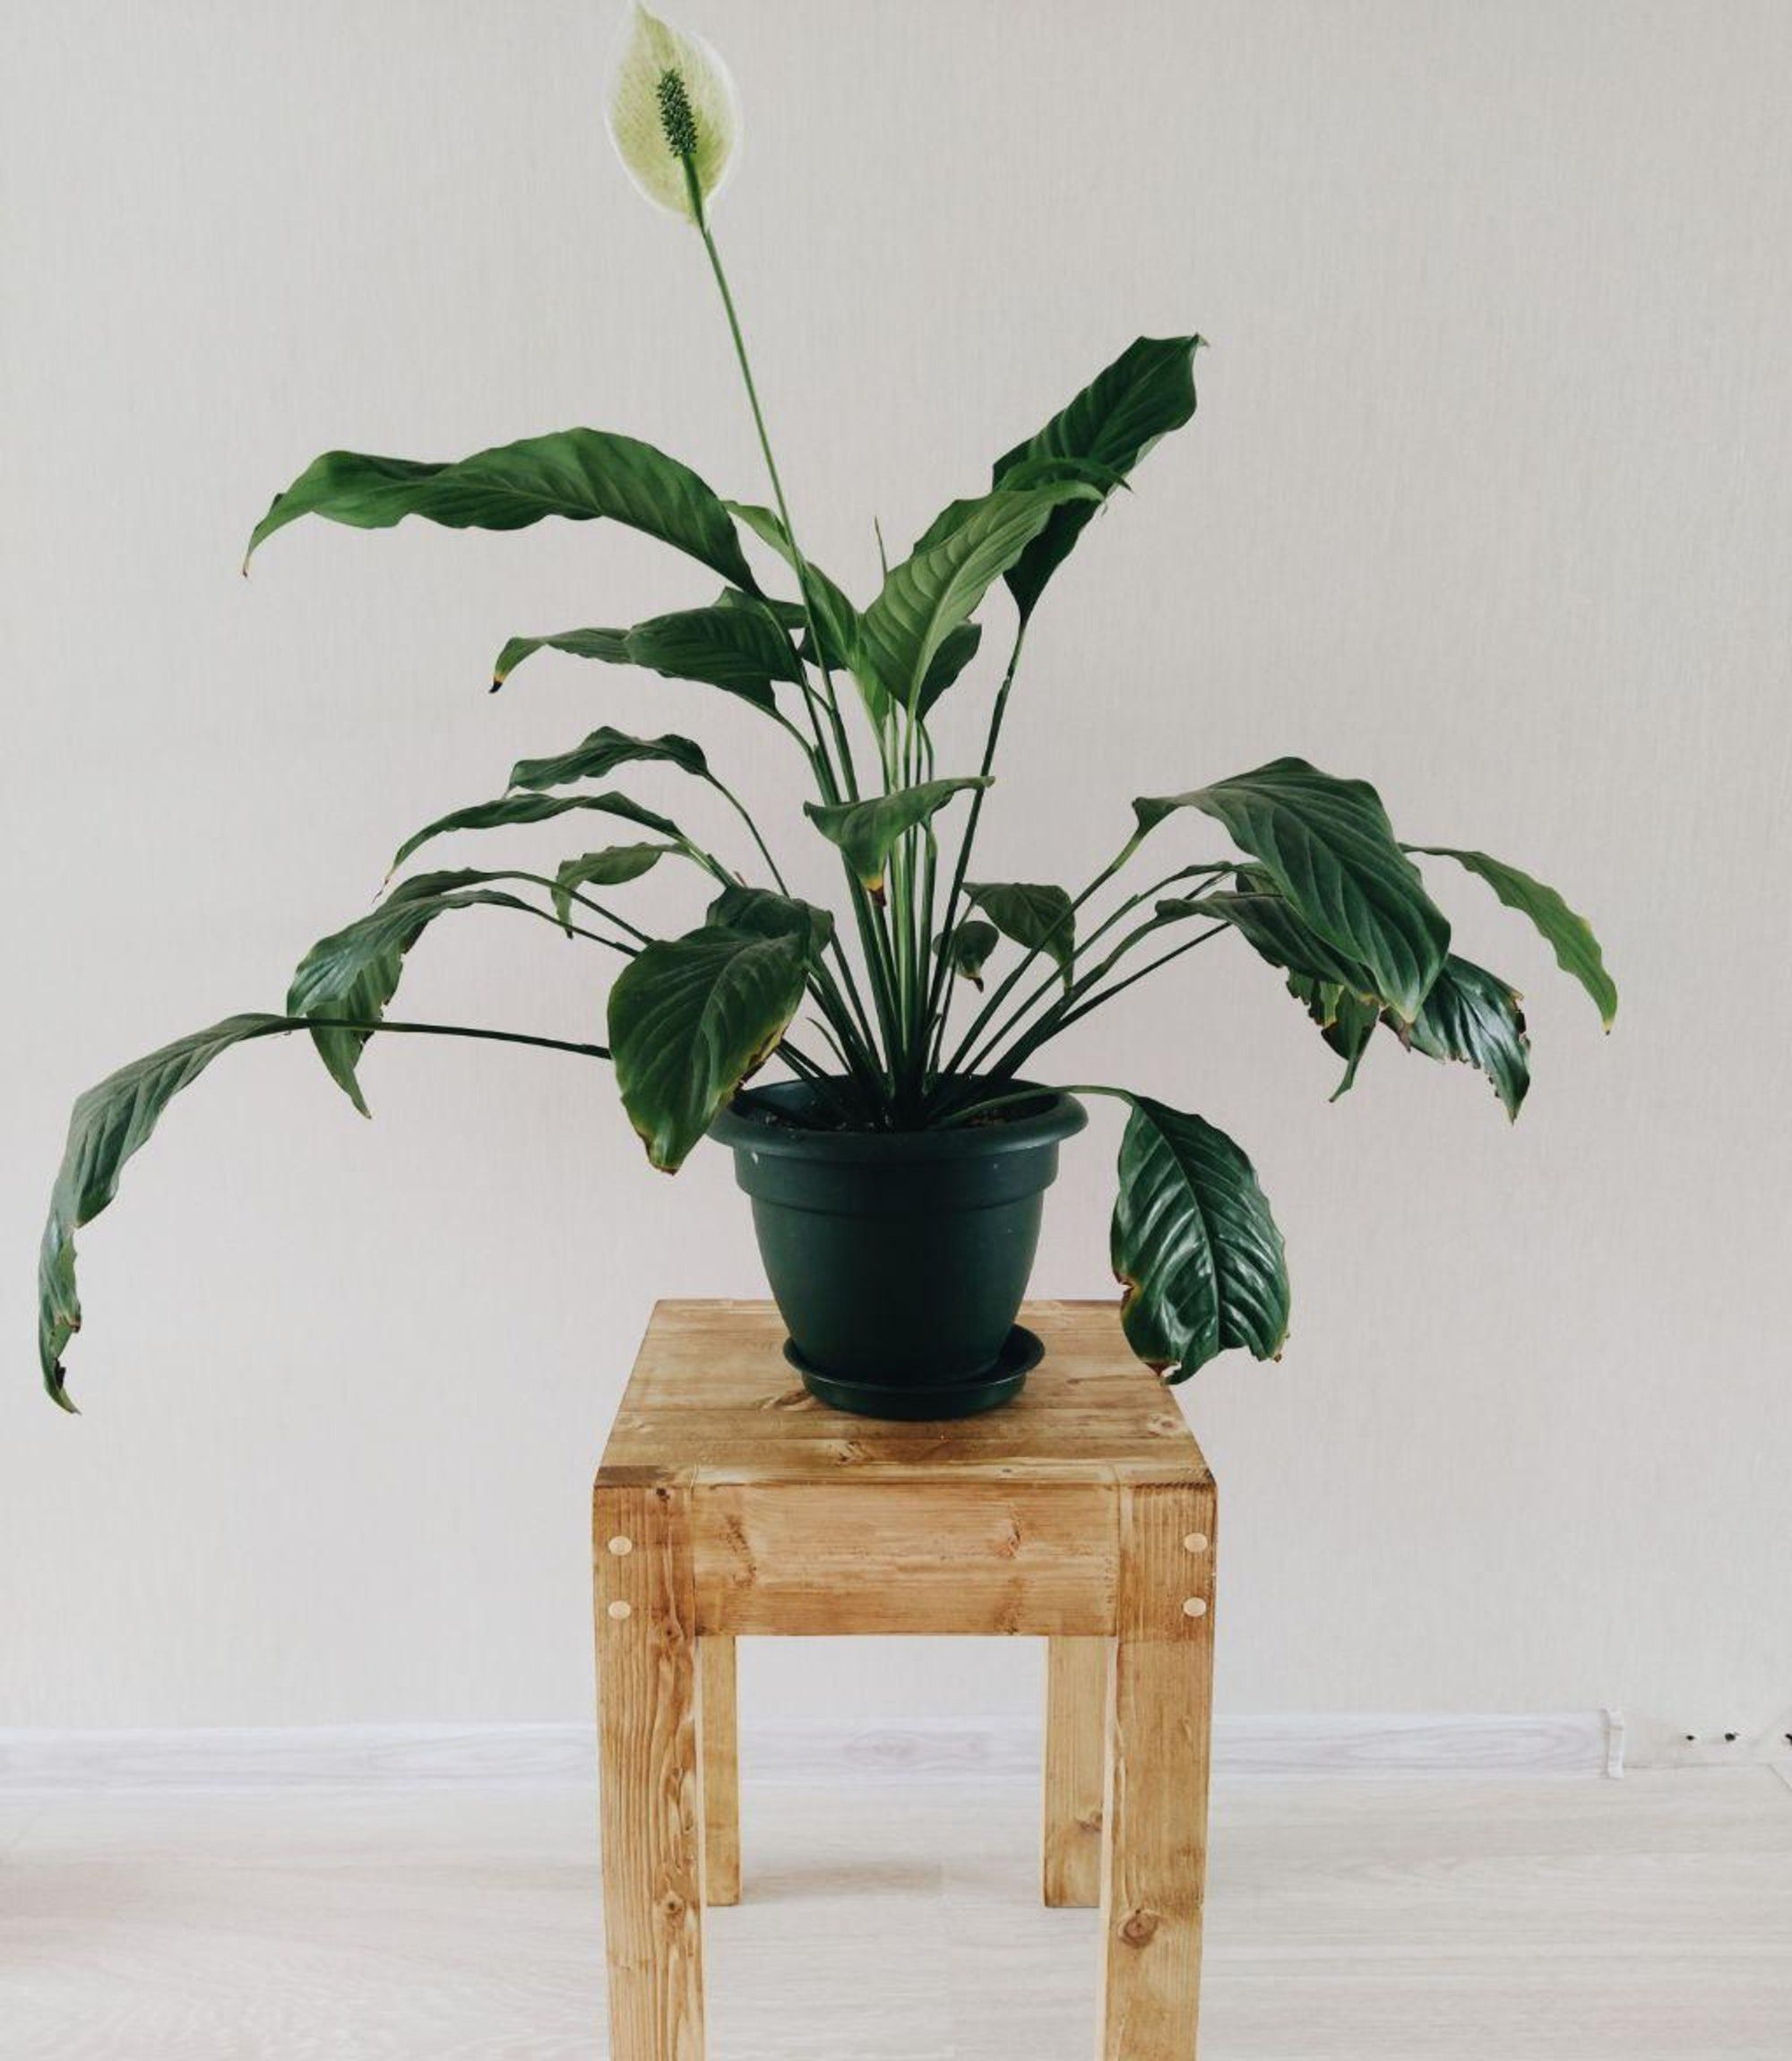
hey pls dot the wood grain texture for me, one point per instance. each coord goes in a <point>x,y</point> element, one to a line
<point>730,1502</point>
<point>719,1729</point>
<point>712,1398</point>
<point>974,1555</point>
<point>651,1777</point>
<point>1349,1919</point>
<point>1154,1840</point>
<point>1077,1680</point>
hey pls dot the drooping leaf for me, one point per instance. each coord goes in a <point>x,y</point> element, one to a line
<point>587,475</point>
<point>1568,935</point>
<point>739,647</point>
<point>868,831</point>
<point>936,590</point>
<point>1330,851</point>
<point>1194,1244</point>
<point>1346,1021</point>
<point>518,809</point>
<point>109,1122</point>
<point>1269,923</point>
<point>690,1018</point>
<point>1036,916</point>
<point>968,947</point>
<point>1473,1015</point>
<point>613,866</point>
<point>836,619</point>
<point>600,754</point>
<point>610,868</point>
<point>761,913</point>
<point>1338,994</point>
<point>355,971</point>
<point>1147,391</point>
<point>611,646</point>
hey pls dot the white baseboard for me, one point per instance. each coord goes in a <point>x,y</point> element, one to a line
<point>1574,1743</point>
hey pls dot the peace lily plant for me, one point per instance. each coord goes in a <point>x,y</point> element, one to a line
<point>1315,882</point>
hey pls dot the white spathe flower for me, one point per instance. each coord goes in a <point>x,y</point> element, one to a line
<point>671,95</point>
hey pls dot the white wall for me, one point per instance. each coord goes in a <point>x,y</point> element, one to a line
<point>1489,500</point>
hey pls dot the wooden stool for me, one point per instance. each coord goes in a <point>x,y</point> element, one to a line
<point>731,1503</point>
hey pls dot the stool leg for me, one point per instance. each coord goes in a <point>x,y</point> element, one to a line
<point>1077,1672</point>
<point>1154,1852</point>
<point>651,1782</point>
<point>721,1772</point>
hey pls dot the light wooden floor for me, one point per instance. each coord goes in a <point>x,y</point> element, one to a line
<point>1350,1919</point>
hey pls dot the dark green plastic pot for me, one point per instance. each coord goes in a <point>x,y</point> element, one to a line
<point>899,1259</point>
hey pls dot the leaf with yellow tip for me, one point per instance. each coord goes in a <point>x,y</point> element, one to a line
<point>868,831</point>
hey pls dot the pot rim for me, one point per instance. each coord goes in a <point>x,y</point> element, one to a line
<point>1062,1118</point>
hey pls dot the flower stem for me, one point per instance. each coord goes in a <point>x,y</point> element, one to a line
<point>940,985</point>
<point>841,741</point>
<point>873,938</point>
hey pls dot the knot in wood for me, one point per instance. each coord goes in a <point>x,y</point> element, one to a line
<point>1140,1928</point>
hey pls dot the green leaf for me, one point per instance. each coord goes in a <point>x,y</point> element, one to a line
<point>1099,479</point>
<point>1272,929</point>
<point>955,653</point>
<point>867,832</point>
<point>968,947</point>
<point>739,647</point>
<point>109,1122</point>
<point>1336,993</point>
<point>1147,391</point>
<point>1473,1015</point>
<point>1039,918</point>
<point>584,474</point>
<point>611,646</point>
<point>937,588</point>
<point>1568,935</point>
<point>112,1121</point>
<point>355,971</point>
<point>516,808</point>
<point>1346,1021</point>
<point>742,649</point>
<point>761,913</point>
<point>835,618</point>
<point>1194,1244</point>
<point>613,866</point>
<point>1329,849</point>
<point>601,753</point>
<point>791,616</point>
<point>690,1018</point>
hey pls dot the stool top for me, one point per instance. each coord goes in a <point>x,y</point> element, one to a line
<point>712,1398</point>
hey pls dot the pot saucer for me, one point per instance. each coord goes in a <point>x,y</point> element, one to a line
<point>910,1401</point>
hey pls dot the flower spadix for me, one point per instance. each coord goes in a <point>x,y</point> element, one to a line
<point>672,113</point>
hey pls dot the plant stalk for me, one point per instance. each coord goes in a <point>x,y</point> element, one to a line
<point>453,1031</point>
<point>940,985</point>
<point>1051,1026</point>
<point>968,1042</point>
